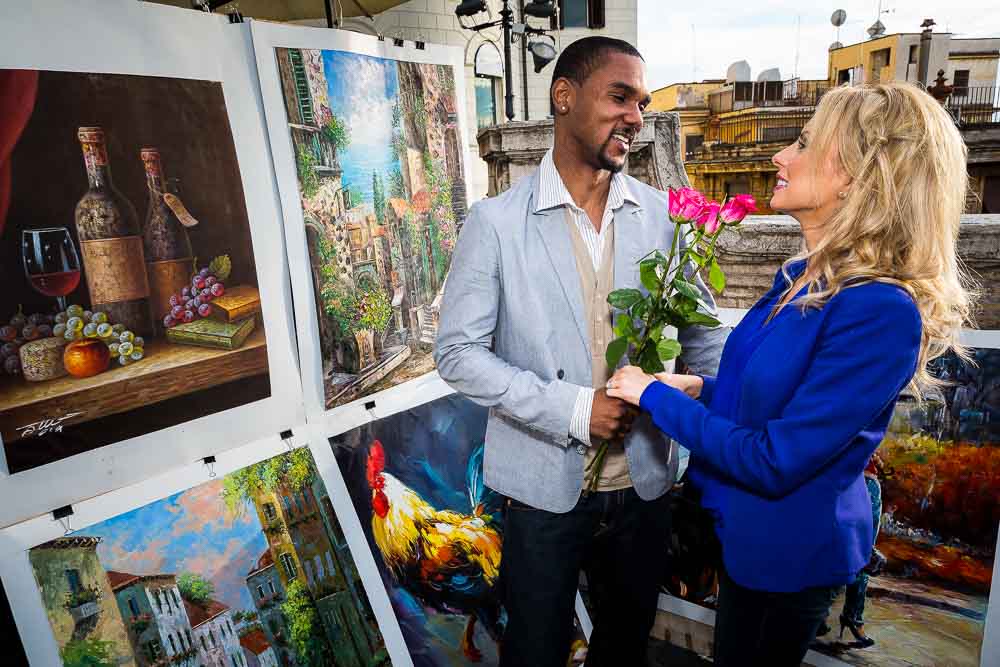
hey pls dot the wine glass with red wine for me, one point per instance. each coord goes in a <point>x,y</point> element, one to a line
<point>51,262</point>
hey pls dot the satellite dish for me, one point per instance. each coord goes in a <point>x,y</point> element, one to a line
<point>835,46</point>
<point>838,18</point>
<point>773,74</point>
<point>876,29</point>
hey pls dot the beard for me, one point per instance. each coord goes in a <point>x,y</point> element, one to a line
<point>608,163</point>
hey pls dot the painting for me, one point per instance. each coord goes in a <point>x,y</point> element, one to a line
<point>131,300</point>
<point>248,569</point>
<point>435,529</point>
<point>377,146</point>
<point>938,474</point>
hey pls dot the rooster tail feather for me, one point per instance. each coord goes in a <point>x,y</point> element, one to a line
<point>474,477</point>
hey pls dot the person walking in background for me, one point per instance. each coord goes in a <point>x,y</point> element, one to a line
<point>809,378</point>
<point>524,326</point>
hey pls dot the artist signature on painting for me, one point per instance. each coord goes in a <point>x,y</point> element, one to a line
<point>46,425</point>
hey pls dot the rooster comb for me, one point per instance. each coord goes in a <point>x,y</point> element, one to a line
<point>376,464</point>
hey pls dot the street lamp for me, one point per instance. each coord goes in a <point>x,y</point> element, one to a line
<point>542,52</point>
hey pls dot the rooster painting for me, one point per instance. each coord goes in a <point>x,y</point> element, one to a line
<point>447,560</point>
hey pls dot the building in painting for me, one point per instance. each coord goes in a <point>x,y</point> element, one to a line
<point>79,600</point>
<point>306,562</point>
<point>257,651</point>
<point>731,128</point>
<point>214,635</point>
<point>268,593</point>
<point>157,621</point>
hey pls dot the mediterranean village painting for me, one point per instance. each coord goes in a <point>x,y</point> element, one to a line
<point>939,479</point>
<point>378,151</point>
<point>250,570</point>
<point>130,300</point>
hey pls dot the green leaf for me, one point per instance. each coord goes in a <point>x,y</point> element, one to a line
<point>702,319</point>
<point>698,258</point>
<point>655,334</point>
<point>639,310</point>
<point>687,289</point>
<point>623,299</point>
<point>616,350</point>
<point>647,274</point>
<point>221,267</point>
<point>668,349</point>
<point>649,360</point>
<point>624,327</point>
<point>716,277</point>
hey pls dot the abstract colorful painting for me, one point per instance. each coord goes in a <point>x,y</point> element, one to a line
<point>130,300</point>
<point>938,475</point>
<point>378,152</point>
<point>248,569</point>
<point>436,531</point>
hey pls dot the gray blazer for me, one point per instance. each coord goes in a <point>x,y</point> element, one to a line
<point>512,337</point>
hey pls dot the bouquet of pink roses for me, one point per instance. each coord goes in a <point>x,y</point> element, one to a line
<point>671,297</point>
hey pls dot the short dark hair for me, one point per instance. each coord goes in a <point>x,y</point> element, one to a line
<point>581,58</point>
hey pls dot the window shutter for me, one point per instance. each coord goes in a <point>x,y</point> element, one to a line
<point>595,14</point>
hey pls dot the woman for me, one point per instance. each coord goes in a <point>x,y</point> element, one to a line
<point>808,379</point>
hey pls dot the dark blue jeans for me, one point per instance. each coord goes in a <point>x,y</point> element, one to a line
<point>762,629</point>
<point>854,594</point>
<point>618,540</point>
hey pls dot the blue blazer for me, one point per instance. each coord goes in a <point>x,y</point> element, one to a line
<point>780,439</point>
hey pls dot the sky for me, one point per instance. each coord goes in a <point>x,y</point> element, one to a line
<point>362,91</point>
<point>769,33</point>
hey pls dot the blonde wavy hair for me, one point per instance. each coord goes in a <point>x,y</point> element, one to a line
<point>900,219</point>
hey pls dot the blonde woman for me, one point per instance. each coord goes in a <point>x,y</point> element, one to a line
<point>807,382</point>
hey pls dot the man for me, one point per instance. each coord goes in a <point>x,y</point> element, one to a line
<point>524,326</point>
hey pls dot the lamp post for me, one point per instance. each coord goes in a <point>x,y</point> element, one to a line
<point>542,52</point>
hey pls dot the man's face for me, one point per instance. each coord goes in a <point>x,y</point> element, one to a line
<point>607,111</point>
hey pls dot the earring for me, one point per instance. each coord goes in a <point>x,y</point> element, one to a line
<point>564,108</point>
<point>842,195</point>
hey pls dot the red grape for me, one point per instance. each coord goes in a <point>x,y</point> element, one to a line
<point>210,280</point>
<point>44,330</point>
<point>198,282</point>
<point>177,312</point>
<point>169,321</point>
<point>204,272</point>
<point>30,332</point>
<point>205,296</point>
<point>12,365</point>
<point>192,304</point>
<point>188,316</point>
<point>7,350</point>
<point>186,293</point>
<point>176,300</point>
<point>8,333</point>
<point>205,309</point>
<point>218,289</point>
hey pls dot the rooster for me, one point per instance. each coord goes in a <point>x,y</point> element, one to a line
<point>449,561</point>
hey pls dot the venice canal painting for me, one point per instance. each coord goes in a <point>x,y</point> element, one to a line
<point>249,569</point>
<point>379,162</point>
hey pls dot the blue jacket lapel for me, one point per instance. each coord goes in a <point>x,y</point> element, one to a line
<point>628,231</point>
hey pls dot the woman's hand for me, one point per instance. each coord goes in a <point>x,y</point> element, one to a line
<point>689,384</point>
<point>629,383</point>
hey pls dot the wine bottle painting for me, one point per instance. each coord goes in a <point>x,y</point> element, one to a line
<point>116,324</point>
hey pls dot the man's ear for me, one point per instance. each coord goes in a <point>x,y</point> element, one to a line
<point>563,95</point>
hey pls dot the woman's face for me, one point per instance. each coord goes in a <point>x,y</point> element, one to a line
<point>808,185</point>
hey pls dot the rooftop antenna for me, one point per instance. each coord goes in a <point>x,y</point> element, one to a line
<point>694,53</point>
<point>798,43</point>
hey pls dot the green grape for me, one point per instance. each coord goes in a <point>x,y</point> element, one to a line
<point>99,317</point>
<point>61,318</point>
<point>136,354</point>
<point>75,311</point>
<point>140,350</point>
<point>104,330</point>
<point>126,337</point>
<point>70,334</point>
<point>139,342</point>
<point>113,349</point>
<point>125,348</point>
<point>118,329</point>
<point>74,324</point>
<point>124,361</point>
<point>90,331</point>
<point>87,315</point>
<point>59,330</point>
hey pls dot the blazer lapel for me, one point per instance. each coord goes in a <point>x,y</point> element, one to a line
<point>628,231</point>
<point>559,247</point>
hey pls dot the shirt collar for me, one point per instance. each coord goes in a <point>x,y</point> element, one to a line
<point>552,190</point>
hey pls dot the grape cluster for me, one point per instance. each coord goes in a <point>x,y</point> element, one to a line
<point>19,330</point>
<point>194,301</point>
<point>76,324</point>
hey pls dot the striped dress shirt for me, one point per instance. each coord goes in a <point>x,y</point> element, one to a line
<point>552,193</point>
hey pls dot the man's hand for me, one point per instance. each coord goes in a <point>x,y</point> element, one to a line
<point>610,418</point>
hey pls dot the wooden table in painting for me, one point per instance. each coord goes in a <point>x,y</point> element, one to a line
<point>168,371</point>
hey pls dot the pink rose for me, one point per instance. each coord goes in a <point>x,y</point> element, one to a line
<point>736,208</point>
<point>709,218</point>
<point>685,205</point>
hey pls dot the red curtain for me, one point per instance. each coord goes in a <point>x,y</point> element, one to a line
<point>18,89</point>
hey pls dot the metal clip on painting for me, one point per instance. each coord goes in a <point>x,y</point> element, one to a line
<point>209,462</point>
<point>397,41</point>
<point>286,437</point>
<point>420,45</point>
<point>235,16</point>
<point>62,515</point>
<point>370,407</point>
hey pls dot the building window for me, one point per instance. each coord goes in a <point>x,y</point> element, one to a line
<point>153,649</point>
<point>309,573</point>
<point>329,564</point>
<point>260,592</point>
<point>159,600</point>
<point>303,98</point>
<point>211,637</point>
<point>170,601</point>
<point>270,586</point>
<point>190,643</point>
<point>269,512</point>
<point>960,83</point>
<point>173,646</point>
<point>298,503</point>
<point>133,606</point>
<point>289,564</point>
<point>691,143</point>
<point>73,579</point>
<point>177,597</point>
<point>318,562</point>
<point>338,534</point>
<point>204,644</point>
<point>914,52</point>
<point>287,502</point>
<point>581,14</point>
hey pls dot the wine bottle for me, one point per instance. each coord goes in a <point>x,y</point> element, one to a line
<point>111,241</point>
<point>169,261</point>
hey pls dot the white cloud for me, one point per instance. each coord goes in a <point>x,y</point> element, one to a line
<point>370,118</point>
<point>765,33</point>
